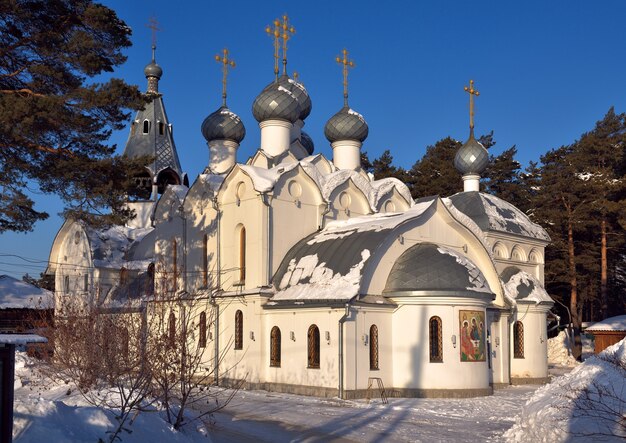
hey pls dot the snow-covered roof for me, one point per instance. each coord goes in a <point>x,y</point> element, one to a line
<point>179,190</point>
<point>17,294</point>
<point>430,267</point>
<point>328,265</point>
<point>617,323</point>
<point>21,339</point>
<point>110,248</point>
<point>494,214</point>
<point>521,286</point>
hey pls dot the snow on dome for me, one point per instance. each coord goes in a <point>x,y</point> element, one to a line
<point>617,323</point>
<point>17,294</point>
<point>585,405</point>
<point>520,286</point>
<point>223,124</point>
<point>346,125</point>
<point>491,213</point>
<point>276,102</point>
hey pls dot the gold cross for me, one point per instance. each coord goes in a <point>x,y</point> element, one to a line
<point>472,92</point>
<point>226,62</point>
<point>346,64</point>
<point>281,31</point>
<point>154,26</point>
<point>295,76</point>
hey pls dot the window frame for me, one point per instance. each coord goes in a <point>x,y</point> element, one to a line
<point>313,347</point>
<point>238,329</point>
<point>435,342</point>
<point>275,347</point>
<point>374,357</point>
<point>518,339</point>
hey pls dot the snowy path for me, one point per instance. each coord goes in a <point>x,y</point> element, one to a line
<point>271,417</point>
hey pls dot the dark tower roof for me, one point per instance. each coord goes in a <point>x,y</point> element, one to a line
<point>151,136</point>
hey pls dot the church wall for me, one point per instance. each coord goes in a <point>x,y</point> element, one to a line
<point>392,202</point>
<point>533,367</point>
<point>412,366</point>
<point>499,340</point>
<point>358,340</point>
<point>347,201</point>
<point>241,206</point>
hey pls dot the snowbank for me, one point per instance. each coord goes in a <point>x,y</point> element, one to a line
<point>586,404</point>
<point>617,323</point>
<point>559,352</point>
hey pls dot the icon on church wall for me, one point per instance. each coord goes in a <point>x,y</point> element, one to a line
<point>472,332</point>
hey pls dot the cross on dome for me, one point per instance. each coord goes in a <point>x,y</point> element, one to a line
<point>347,63</point>
<point>282,30</point>
<point>226,62</point>
<point>472,92</point>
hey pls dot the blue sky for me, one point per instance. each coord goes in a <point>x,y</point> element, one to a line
<point>546,72</point>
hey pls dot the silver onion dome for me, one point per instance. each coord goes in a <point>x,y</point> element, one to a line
<point>346,125</point>
<point>223,124</point>
<point>307,142</point>
<point>472,158</point>
<point>300,92</point>
<point>153,70</point>
<point>276,102</point>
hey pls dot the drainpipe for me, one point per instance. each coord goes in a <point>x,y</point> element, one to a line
<point>265,200</point>
<point>216,339</point>
<point>342,320</point>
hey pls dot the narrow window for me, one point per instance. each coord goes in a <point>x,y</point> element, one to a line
<point>146,126</point>
<point>172,327</point>
<point>174,265</point>
<point>150,284</point>
<point>314,347</point>
<point>205,261</point>
<point>373,347</point>
<point>518,340</point>
<point>242,254</point>
<point>238,330</point>
<point>66,284</point>
<point>86,282</point>
<point>275,347</point>
<point>161,128</point>
<point>202,330</point>
<point>434,340</point>
<point>123,276</point>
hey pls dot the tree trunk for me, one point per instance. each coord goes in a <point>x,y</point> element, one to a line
<point>604,307</point>
<point>573,303</point>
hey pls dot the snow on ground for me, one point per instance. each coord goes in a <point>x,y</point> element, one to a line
<point>45,411</point>
<point>559,353</point>
<point>588,404</point>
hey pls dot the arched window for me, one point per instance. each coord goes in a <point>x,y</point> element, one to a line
<point>434,340</point>
<point>518,340</point>
<point>202,330</point>
<point>242,254</point>
<point>314,347</point>
<point>275,347</point>
<point>146,126</point>
<point>205,261</point>
<point>150,283</point>
<point>123,275</point>
<point>86,282</point>
<point>373,347</point>
<point>66,284</point>
<point>172,328</point>
<point>161,128</point>
<point>238,330</point>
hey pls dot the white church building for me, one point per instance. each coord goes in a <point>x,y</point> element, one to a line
<point>321,279</point>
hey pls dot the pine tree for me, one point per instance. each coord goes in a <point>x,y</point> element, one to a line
<point>435,174</point>
<point>382,167</point>
<point>54,124</point>
<point>503,179</point>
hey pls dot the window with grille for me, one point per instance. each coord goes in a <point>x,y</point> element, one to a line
<point>373,347</point>
<point>518,340</point>
<point>238,330</point>
<point>314,347</point>
<point>202,330</point>
<point>275,347</point>
<point>434,340</point>
<point>172,327</point>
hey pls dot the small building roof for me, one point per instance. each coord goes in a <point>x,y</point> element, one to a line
<point>18,294</point>
<point>21,339</point>
<point>617,323</point>
<point>491,213</point>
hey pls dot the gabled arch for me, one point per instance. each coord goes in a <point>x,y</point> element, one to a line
<point>518,254</point>
<point>535,256</point>
<point>167,177</point>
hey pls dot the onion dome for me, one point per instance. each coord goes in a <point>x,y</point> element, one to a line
<point>223,124</point>
<point>299,91</point>
<point>346,125</point>
<point>472,158</point>
<point>153,70</point>
<point>276,102</point>
<point>307,142</point>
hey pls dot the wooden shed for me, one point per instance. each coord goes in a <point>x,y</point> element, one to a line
<point>608,332</point>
